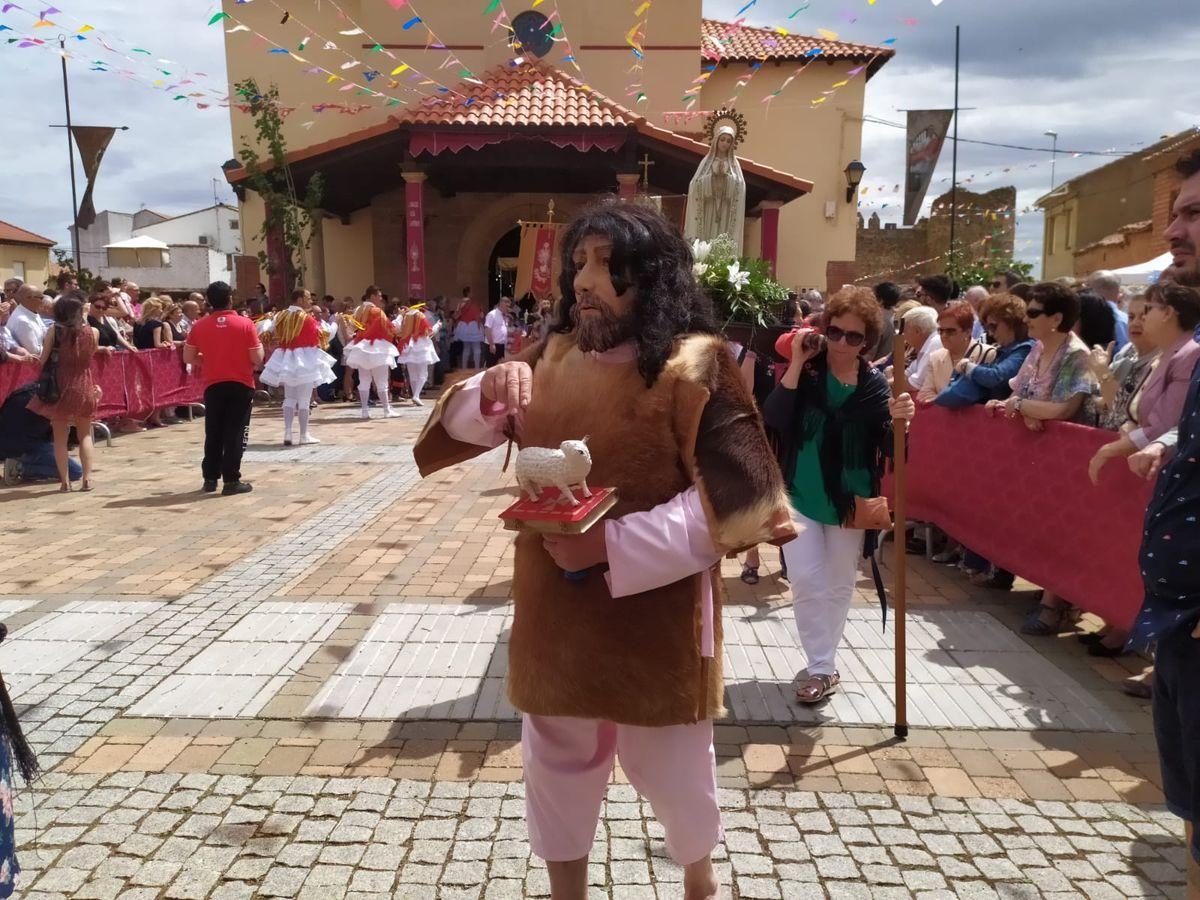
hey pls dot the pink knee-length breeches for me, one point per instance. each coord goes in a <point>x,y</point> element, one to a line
<point>568,763</point>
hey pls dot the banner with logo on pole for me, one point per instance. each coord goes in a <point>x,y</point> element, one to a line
<point>927,130</point>
<point>538,265</point>
<point>92,141</point>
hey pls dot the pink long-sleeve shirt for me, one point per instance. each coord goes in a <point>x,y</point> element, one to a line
<point>646,550</point>
<point>1162,399</point>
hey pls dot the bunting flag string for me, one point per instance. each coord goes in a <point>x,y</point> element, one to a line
<point>769,98</point>
<point>853,73</point>
<point>558,32</point>
<point>143,58</point>
<point>442,93</point>
<point>635,38</point>
<point>370,72</point>
<point>331,77</point>
<point>769,44</point>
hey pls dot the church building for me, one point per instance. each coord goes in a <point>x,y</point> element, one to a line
<point>437,130</point>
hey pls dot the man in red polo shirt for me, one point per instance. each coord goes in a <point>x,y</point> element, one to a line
<point>228,350</point>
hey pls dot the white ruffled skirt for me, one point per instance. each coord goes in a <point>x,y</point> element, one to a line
<point>301,366</point>
<point>372,354</point>
<point>420,351</point>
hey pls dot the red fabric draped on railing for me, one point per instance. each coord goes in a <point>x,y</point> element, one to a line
<point>131,384</point>
<point>1023,500</point>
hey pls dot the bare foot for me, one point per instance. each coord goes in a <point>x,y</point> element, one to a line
<point>700,881</point>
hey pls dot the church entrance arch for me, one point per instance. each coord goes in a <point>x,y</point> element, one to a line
<point>502,266</point>
<point>496,219</point>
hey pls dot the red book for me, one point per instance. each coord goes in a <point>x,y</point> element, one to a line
<point>548,515</point>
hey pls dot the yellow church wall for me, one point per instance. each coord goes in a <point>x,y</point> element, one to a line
<point>349,255</point>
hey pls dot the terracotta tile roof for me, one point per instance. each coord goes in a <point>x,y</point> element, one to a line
<point>742,43</point>
<point>527,96</point>
<point>11,234</point>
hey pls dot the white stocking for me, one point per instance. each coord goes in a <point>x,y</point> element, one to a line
<point>364,390</point>
<point>380,377</point>
<point>302,408</point>
<point>289,410</point>
<point>418,374</point>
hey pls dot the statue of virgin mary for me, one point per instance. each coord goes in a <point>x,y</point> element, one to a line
<point>717,193</point>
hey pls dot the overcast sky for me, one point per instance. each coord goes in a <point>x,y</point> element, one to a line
<point>1104,74</point>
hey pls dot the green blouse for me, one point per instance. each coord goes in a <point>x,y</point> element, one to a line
<point>807,489</point>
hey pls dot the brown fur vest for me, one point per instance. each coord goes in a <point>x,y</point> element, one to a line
<point>575,650</point>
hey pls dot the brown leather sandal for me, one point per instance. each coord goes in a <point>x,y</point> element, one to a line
<point>817,687</point>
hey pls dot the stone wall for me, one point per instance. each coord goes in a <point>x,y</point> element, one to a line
<point>984,224</point>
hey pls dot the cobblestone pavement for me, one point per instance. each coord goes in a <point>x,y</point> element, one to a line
<point>299,693</point>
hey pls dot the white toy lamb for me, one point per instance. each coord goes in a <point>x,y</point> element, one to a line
<point>564,468</point>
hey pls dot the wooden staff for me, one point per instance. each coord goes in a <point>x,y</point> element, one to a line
<point>899,592</point>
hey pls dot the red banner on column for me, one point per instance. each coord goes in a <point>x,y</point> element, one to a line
<point>414,218</point>
<point>541,283</point>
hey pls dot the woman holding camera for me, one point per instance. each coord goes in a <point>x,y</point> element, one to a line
<point>834,414</point>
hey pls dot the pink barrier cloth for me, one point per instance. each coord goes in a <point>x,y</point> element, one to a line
<point>131,384</point>
<point>1023,500</point>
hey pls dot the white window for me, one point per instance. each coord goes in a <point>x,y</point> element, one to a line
<point>18,269</point>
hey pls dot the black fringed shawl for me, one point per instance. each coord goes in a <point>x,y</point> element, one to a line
<point>857,435</point>
<point>11,730</point>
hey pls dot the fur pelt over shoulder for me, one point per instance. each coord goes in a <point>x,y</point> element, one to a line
<point>575,650</point>
<point>732,462</point>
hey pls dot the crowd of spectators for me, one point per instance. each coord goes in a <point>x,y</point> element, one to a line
<point>124,320</point>
<point>1085,351</point>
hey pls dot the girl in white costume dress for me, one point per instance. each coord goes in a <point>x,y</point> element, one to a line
<point>415,336</point>
<point>373,352</point>
<point>299,363</point>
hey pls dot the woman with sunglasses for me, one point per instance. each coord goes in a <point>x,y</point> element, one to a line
<point>955,324</point>
<point>1054,383</point>
<point>1055,379</point>
<point>834,414</point>
<point>98,317</point>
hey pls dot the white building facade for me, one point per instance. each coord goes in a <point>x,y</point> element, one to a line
<point>201,247</point>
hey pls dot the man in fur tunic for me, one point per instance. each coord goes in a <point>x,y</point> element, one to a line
<point>628,662</point>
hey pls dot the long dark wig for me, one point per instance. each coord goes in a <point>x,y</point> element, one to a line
<point>650,255</point>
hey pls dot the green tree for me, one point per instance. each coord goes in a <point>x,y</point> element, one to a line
<point>296,217</point>
<point>981,271</point>
<point>66,263</point>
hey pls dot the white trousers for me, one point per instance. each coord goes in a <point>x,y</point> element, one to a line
<point>418,374</point>
<point>378,375</point>
<point>296,399</point>
<point>472,350</point>
<point>822,564</point>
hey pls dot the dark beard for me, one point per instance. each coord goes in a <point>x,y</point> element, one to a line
<point>1188,276</point>
<point>602,332</point>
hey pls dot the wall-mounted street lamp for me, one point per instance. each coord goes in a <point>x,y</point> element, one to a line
<point>854,177</point>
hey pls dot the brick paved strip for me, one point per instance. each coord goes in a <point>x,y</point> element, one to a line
<point>202,835</point>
